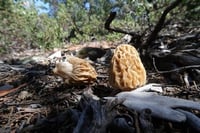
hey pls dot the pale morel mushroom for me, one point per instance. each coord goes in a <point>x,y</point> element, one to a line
<point>126,71</point>
<point>75,71</point>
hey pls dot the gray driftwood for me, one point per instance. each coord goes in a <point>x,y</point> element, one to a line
<point>164,107</point>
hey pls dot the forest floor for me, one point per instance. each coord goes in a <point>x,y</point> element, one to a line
<point>29,92</point>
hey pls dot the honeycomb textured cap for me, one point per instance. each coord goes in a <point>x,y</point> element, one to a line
<point>75,70</point>
<point>126,71</point>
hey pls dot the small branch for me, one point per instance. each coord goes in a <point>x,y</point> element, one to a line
<point>75,26</point>
<point>110,19</point>
<point>6,92</point>
<point>173,70</point>
<point>154,65</point>
<point>160,23</point>
<point>189,37</point>
<point>118,30</point>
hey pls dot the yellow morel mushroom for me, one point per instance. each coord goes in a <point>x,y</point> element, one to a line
<point>75,71</point>
<point>126,71</point>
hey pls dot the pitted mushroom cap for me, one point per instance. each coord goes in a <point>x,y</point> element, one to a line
<point>126,71</point>
<point>75,70</point>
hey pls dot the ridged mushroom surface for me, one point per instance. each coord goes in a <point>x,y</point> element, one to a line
<point>126,71</point>
<point>75,71</point>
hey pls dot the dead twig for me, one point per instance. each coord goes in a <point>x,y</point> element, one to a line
<point>118,30</point>
<point>137,36</point>
<point>6,92</point>
<point>174,70</point>
<point>160,23</point>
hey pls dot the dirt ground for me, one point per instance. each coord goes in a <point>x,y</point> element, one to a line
<point>30,93</point>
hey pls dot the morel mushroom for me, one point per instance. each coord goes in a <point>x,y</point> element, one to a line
<point>75,71</point>
<point>127,71</point>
